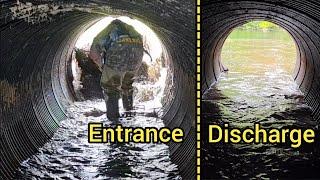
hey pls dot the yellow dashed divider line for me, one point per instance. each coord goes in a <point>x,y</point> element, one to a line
<point>198,90</point>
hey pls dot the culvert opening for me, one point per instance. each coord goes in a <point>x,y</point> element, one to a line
<point>151,77</point>
<point>256,44</point>
<point>258,64</point>
<point>260,54</point>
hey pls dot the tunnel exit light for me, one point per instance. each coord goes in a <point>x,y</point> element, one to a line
<point>152,42</point>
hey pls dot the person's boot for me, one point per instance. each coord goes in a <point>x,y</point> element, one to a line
<point>112,102</point>
<point>127,101</point>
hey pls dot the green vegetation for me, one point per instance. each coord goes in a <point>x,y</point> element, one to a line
<point>259,49</point>
<point>260,25</point>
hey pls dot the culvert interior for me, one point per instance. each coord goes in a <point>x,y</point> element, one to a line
<point>299,18</point>
<point>246,95</point>
<point>37,41</point>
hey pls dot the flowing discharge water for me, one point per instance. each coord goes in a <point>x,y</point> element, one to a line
<point>258,88</point>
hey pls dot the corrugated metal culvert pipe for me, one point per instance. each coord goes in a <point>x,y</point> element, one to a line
<point>299,17</point>
<point>36,45</point>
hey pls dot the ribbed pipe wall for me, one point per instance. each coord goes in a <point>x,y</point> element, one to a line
<point>34,66</point>
<point>300,18</point>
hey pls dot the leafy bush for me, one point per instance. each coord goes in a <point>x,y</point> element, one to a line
<point>260,25</point>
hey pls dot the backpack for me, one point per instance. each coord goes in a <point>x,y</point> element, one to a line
<point>123,48</point>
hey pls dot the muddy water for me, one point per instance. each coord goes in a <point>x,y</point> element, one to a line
<point>258,88</point>
<point>69,155</point>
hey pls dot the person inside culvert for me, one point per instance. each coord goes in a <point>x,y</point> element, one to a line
<point>120,48</point>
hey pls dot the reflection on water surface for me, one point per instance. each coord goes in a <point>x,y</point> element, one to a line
<point>69,155</point>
